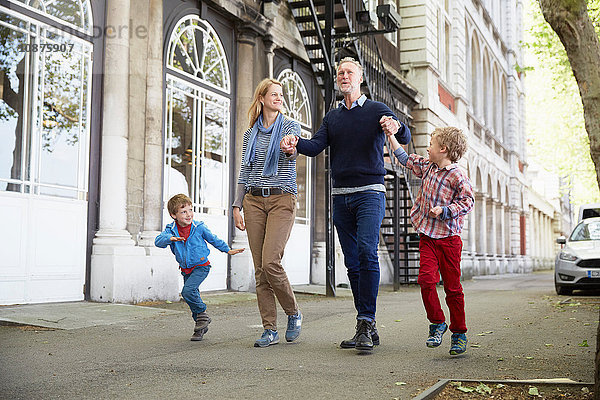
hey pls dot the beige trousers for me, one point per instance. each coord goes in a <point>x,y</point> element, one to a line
<point>269,221</point>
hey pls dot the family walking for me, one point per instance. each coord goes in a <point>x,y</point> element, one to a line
<point>265,206</point>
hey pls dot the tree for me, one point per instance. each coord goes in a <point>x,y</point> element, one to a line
<point>556,140</point>
<point>571,22</point>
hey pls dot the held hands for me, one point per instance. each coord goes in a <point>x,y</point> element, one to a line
<point>238,219</point>
<point>435,211</point>
<point>288,144</point>
<point>389,125</point>
<point>177,239</point>
<point>235,251</point>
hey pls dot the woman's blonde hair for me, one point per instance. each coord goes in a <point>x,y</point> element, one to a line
<point>260,91</point>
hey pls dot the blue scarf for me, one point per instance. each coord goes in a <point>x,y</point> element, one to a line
<point>272,157</point>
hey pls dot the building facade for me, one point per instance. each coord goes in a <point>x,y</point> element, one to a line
<point>109,107</point>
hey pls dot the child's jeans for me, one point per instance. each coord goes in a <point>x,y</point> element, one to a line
<point>190,292</point>
<point>442,256</point>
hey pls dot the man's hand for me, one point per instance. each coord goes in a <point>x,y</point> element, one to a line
<point>238,220</point>
<point>288,144</point>
<point>235,251</point>
<point>177,239</point>
<point>435,211</point>
<point>389,125</point>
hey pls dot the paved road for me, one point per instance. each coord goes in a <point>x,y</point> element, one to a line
<point>518,330</point>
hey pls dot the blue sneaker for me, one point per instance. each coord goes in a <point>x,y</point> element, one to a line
<point>436,331</point>
<point>294,327</point>
<point>267,338</point>
<point>459,344</point>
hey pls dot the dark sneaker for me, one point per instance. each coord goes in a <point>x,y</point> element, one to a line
<point>198,335</point>
<point>364,340</point>
<point>459,344</point>
<point>436,331</point>
<point>294,327</point>
<point>351,343</point>
<point>202,321</point>
<point>268,338</point>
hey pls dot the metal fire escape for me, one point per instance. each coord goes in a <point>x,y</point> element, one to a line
<point>330,31</point>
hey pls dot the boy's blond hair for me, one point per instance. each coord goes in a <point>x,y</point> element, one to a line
<point>178,201</point>
<point>453,139</point>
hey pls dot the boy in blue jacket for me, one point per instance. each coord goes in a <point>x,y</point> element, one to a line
<point>187,239</point>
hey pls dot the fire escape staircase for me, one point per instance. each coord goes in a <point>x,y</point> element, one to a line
<point>396,230</point>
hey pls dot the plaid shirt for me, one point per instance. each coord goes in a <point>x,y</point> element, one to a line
<point>447,187</point>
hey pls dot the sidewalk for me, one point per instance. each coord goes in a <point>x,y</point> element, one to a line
<point>83,314</point>
<point>518,329</point>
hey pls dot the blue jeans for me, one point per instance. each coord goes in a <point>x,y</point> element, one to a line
<point>190,292</point>
<point>357,218</point>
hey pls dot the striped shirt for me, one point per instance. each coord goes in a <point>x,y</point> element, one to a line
<point>447,187</point>
<point>251,175</point>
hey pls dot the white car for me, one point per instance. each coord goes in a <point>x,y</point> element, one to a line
<point>577,265</point>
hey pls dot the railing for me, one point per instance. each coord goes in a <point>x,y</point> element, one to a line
<point>377,81</point>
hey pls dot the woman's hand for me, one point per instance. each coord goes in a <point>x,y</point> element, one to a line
<point>238,219</point>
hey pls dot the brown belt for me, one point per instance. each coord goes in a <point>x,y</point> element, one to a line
<point>264,192</point>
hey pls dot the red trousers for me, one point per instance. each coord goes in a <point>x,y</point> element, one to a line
<point>442,256</point>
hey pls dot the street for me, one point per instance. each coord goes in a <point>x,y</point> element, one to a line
<point>518,329</point>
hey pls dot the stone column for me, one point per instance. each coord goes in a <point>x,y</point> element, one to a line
<point>500,228</point>
<point>472,228</point>
<point>115,129</point>
<point>242,268</point>
<point>270,53</point>
<point>153,150</point>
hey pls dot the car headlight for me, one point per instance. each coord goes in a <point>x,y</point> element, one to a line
<point>565,255</point>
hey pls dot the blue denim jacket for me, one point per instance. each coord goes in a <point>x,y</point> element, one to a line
<point>194,250</point>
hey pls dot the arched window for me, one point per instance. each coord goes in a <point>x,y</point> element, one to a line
<point>76,13</point>
<point>503,108</point>
<point>196,52</point>
<point>197,120</point>
<point>497,106</point>
<point>297,106</point>
<point>487,95</point>
<point>475,76</point>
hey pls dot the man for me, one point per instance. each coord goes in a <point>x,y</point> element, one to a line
<point>355,132</point>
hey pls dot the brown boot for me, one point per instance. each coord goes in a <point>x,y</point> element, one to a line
<point>198,335</point>
<point>202,321</point>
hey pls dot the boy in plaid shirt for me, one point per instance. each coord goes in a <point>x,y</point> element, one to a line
<point>444,198</point>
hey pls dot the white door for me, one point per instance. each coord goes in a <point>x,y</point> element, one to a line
<point>44,153</point>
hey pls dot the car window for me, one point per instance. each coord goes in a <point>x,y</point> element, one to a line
<point>590,213</point>
<point>586,231</point>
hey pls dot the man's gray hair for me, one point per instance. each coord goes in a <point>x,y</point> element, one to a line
<point>350,60</point>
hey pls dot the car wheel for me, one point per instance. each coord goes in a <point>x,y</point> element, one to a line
<point>563,290</point>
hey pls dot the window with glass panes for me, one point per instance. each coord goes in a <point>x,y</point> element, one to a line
<point>45,83</point>
<point>297,106</point>
<point>197,117</point>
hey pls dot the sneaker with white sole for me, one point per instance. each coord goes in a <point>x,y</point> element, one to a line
<point>436,331</point>
<point>294,327</point>
<point>267,338</point>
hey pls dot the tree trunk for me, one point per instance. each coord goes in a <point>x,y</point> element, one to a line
<point>571,22</point>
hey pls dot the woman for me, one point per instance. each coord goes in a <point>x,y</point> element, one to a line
<point>267,193</point>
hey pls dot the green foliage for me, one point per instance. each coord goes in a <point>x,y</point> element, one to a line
<point>556,134</point>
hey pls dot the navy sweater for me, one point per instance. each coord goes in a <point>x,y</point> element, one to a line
<point>356,141</point>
